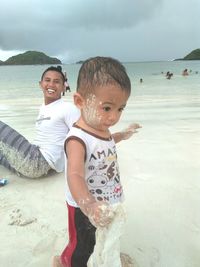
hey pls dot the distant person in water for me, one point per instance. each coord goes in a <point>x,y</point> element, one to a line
<point>185,72</point>
<point>53,123</point>
<point>66,84</point>
<point>169,75</point>
<point>67,87</point>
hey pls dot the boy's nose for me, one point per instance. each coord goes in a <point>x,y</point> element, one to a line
<point>113,117</point>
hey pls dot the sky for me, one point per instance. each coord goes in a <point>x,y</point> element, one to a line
<point>73,30</point>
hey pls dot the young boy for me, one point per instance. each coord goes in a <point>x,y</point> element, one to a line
<point>93,179</point>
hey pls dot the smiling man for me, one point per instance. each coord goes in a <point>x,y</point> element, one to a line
<point>53,123</point>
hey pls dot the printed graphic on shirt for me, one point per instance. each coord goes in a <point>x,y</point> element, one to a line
<point>104,179</point>
<point>42,118</point>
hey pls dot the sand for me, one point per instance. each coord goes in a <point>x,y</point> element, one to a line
<point>162,193</point>
<point>33,221</point>
<point>160,172</point>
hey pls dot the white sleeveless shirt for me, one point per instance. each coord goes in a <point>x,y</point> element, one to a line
<point>101,167</point>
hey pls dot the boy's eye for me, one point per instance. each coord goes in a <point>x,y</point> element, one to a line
<point>106,109</point>
<point>121,109</point>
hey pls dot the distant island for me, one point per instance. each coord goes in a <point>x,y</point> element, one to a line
<point>80,62</point>
<point>194,55</point>
<point>30,58</point>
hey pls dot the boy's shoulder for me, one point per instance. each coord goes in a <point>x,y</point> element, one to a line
<point>75,131</point>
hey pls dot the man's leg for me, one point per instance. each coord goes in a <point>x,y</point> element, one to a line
<point>19,155</point>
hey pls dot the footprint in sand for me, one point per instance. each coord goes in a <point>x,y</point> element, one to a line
<point>18,218</point>
<point>127,261</point>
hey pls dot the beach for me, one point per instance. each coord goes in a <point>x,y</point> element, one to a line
<point>159,169</point>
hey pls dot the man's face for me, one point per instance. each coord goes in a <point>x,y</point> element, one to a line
<point>52,86</point>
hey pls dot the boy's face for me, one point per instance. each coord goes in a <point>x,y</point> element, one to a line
<point>104,108</point>
<point>52,86</point>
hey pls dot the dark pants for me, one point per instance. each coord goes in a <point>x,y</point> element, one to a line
<point>81,239</point>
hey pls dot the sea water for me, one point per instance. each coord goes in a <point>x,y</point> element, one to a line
<point>160,165</point>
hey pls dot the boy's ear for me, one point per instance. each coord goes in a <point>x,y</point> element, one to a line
<point>78,100</point>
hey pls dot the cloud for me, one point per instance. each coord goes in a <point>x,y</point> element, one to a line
<point>60,26</point>
<point>77,29</point>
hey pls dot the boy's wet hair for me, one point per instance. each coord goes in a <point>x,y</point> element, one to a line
<point>53,68</point>
<point>101,71</point>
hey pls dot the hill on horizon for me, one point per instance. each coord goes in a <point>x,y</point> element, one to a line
<point>194,55</point>
<point>31,58</point>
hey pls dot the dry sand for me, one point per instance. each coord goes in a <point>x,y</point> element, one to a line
<point>160,175</point>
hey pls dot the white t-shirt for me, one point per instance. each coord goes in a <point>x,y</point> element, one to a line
<point>101,167</point>
<point>52,125</point>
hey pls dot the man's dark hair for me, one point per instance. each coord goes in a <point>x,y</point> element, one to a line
<point>57,69</point>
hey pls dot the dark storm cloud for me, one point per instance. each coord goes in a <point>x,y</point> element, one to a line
<point>77,29</point>
<point>61,26</point>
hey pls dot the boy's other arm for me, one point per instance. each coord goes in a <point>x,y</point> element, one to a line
<point>126,133</point>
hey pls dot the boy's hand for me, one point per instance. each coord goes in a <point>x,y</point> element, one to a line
<point>128,132</point>
<point>99,214</point>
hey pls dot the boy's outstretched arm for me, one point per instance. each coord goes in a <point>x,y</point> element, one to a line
<point>126,133</point>
<point>97,211</point>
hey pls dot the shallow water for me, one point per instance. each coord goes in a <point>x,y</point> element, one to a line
<point>159,166</point>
